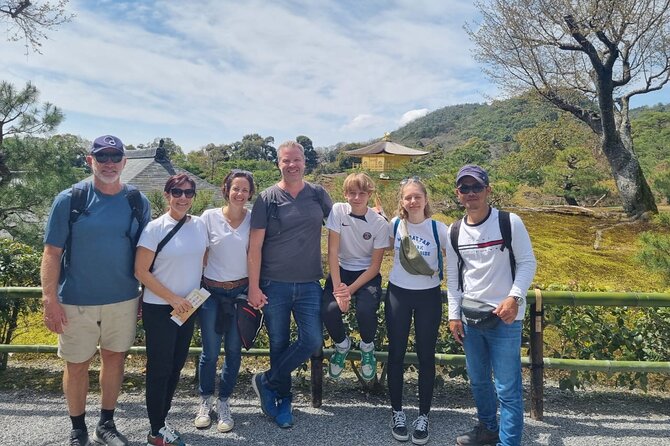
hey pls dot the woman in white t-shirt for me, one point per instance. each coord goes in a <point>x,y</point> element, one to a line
<point>411,295</point>
<point>225,277</point>
<point>169,275</point>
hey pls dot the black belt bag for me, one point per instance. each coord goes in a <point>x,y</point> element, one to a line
<point>478,314</point>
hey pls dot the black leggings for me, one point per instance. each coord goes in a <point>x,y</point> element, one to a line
<point>167,350</point>
<point>426,307</point>
<point>366,299</point>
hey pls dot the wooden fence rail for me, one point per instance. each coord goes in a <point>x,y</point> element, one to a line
<point>536,361</point>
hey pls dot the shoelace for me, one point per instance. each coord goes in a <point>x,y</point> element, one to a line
<point>204,408</point>
<point>169,434</point>
<point>421,423</point>
<point>110,432</point>
<point>399,419</point>
<point>224,411</point>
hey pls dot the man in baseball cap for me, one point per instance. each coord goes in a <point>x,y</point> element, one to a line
<point>481,270</point>
<point>86,305</point>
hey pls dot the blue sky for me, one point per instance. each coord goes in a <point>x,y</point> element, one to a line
<point>211,71</point>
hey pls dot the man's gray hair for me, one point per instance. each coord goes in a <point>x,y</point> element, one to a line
<point>290,144</point>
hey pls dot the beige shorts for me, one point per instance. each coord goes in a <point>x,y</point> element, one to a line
<point>112,326</point>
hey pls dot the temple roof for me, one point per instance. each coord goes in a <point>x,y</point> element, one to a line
<point>387,147</point>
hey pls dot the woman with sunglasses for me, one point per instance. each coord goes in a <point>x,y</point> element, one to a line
<point>225,277</point>
<point>414,295</point>
<point>169,277</point>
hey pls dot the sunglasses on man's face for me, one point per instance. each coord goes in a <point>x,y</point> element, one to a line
<point>103,157</point>
<point>467,188</point>
<point>176,192</point>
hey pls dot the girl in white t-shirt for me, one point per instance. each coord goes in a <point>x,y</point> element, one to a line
<point>414,296</point>
<point>225,277</point>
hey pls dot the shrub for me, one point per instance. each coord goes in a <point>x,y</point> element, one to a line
<point>19,266</point>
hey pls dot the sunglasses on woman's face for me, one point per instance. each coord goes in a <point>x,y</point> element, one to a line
<point>103,157</point>
<point>176,192</point>
<point>467,188</point>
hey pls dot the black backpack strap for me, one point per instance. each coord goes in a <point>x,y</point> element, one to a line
<point>166,239</point>
<point>395,226</point>
<point>506,231</point>
<point>78,202</point>
<point>453,237</point>
<point>440,260</point>
<point>136,204</point>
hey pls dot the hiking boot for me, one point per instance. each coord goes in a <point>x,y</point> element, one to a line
<point>399,426</point>
<point>79,437</point>
<point>420,434</point>
<point>368,365</point>
<point>225,423</point>
<point>480,435</point>
<point>268,397</point>
<point>204,418</point>
<point>166,437</point>
<point>337,362</point>
<point>107,434</point>
<point>284,418</point>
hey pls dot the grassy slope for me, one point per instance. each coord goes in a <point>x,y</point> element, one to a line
<point>563,246</point>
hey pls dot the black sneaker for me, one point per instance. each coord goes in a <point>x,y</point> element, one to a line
<point>107,434</point>
<point>480,435</point>
<point>79,437</point>
<point>399,426</point>
<point>420,434</point>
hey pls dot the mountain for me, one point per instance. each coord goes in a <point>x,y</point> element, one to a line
<point>495,123</point>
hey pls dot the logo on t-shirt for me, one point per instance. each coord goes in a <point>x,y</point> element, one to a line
<point>367,236</point>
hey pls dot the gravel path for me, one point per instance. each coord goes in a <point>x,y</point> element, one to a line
<point>349,416</point>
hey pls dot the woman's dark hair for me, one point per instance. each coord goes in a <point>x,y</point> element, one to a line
<point>178,179</point>
<point>237,173</point>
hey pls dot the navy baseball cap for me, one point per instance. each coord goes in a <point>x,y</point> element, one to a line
<point>474,171</point>
<point>107,142</point>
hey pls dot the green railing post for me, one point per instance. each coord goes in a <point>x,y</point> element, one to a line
<point>316,377</point>
<point>537,358</point>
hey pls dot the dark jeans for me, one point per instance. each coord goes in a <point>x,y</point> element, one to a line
<point>426,308</point>
<point>211,344</point>
<point>303,300</point>
<point>167,349</point>
<point>366,300</point>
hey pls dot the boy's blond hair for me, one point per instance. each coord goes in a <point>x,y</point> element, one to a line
<point>360,181</point>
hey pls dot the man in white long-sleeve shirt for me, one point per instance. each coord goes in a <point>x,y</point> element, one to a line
<point>486,277</point>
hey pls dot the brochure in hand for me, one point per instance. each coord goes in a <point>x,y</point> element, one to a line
<point>196,298</point>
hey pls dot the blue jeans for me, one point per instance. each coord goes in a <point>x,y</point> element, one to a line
<point>497,350</point>
<point>211,345</point>
<point>304,301</point>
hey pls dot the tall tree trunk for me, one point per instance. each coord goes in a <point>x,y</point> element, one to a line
<point>635,193</point>
<point>617,145</point>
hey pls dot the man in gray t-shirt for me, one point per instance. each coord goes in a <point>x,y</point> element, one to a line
<point>284,270</point>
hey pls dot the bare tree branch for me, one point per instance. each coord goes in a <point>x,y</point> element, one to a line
<point>30,21</point>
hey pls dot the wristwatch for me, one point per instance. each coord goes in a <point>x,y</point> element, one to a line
<point>519,300</point>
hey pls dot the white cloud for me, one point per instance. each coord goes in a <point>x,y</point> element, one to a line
<point>411,115</point>
<point>362,122</point>
<point>215,71</point>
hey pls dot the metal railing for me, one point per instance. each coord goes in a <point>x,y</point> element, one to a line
<point>536,361</point>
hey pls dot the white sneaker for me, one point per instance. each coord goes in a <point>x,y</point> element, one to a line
<point>226,422</point>
<point>203,420</point>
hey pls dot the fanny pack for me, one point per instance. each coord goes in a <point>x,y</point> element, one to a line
<point>478,314</point>
<point>410,257</point>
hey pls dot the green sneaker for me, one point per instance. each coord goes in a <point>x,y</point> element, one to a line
<point>337,363</point>
<point>368,365</point>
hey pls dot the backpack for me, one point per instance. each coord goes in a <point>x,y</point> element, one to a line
<point>440,260</point>
<point>78,204</point>
<point>505,230</point>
